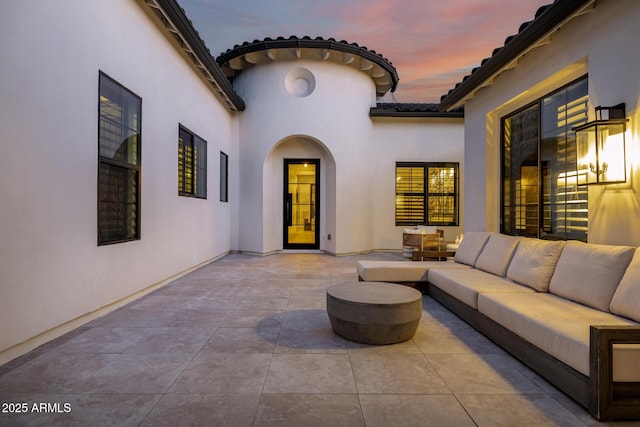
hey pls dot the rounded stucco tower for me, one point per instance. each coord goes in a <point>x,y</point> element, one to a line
<point>304,142</point>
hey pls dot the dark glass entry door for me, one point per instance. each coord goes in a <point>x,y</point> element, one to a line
<point>301,203</point>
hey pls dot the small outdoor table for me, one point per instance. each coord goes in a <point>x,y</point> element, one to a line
<point>374,312</point>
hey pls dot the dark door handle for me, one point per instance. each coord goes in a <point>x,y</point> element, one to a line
<point>289,208</point>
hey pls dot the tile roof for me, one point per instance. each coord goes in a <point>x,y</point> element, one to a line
<point>547,19</point>
<point>379,68</point>
<point>400,109</point>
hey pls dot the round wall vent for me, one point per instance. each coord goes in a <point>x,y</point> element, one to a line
<point>300,82</point>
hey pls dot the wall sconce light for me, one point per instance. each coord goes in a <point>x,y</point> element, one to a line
<point>600,147</point>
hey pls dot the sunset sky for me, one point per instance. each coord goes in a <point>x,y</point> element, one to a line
<point>432,43</point>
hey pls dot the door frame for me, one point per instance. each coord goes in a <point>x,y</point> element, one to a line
<point>286,203</point>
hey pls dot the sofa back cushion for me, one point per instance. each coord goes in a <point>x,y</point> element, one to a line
<point>497,253</point>
<point>471,246</point>
<point>534,262</point>
<point>589,274</point>
<point>626,300</point>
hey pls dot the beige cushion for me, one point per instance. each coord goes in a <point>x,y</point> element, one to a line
<point>466,283</point>
<point>626,299</point>
<point>471,246</point>
<point>534,262</point>
<point>559,327</point>
<point>400,271</point>
<point>497,253</point>
<point>590,273</point>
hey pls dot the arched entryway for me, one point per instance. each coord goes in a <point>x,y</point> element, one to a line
<point>299,195</point>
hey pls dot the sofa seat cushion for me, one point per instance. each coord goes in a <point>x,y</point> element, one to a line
<point>400,271</point>
<point>497,253</point>
<point>559,327</point>
<point>471,246</point>
<point>465,284</point>
<point>626,299</point>
<point>534,262</point>
<point>590,273</point>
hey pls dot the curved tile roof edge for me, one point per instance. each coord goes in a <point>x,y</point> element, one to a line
<point>402,109</point>
<point>311,43</point>
<point>546,18</point>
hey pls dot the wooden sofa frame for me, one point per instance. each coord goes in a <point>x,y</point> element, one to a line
<point>604,399</point>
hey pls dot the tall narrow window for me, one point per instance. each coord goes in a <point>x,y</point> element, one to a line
<point>426,193</point>
<point>540,192</point>
<point>118,163</point>
<point>192,164</point>
<point>224,177</point>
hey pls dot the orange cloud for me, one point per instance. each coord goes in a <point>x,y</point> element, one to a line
<point>432,43</point>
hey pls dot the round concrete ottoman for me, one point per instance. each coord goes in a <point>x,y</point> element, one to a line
<point>374,312</point>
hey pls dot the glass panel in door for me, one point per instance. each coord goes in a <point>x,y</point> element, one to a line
<point>301,204</point>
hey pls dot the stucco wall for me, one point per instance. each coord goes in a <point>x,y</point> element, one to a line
<point>51,269</point>
<point>357,155</point>
<point>602,43</point>
<point>409,140</point>
<point>334,121</point>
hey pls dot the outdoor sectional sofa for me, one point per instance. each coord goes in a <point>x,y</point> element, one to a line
<point>568,310</point>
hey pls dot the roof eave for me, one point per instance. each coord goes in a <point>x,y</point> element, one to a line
<point>549,20</point>
<point>205,61</point>
<point>374,112</point>
<point>309,43</point>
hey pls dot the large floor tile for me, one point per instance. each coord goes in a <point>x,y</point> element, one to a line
<point>171,340</point>
<point>211,372</point>
<point>510,410</point>
<point>310,341</point>
<point>246,318</point>
<point>413,410</point>
<point>460,340</point>
<point>396,373</point>
<point>103,340</point>
<point>309,410</point>
<point>243,340</point>
<point>203,410</point>
<point>310,373</point>
<point>96,373</point>
<point>482,374</point>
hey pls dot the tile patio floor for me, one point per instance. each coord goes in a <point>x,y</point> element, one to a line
<point>246,341</point>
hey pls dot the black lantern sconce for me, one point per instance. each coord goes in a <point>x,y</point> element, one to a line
<point>600,147</point>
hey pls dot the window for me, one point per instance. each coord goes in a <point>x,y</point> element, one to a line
<point>192,164</point>
<point>119,115</point>
<point>224,177</point>
<point>540,192</point>
<point>426,193</point>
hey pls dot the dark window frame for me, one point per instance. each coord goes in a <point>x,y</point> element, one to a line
<point>192,169</point>
<point>224,177</point>
<point>118,166</point>
<point>428,193</point>
<point>544,201</point>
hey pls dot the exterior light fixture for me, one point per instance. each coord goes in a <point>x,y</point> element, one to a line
<point>600,147</point>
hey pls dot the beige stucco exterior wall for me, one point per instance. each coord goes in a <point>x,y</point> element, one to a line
<point>53,275</point>
<point>425,139</point>
<point>602,44</point>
